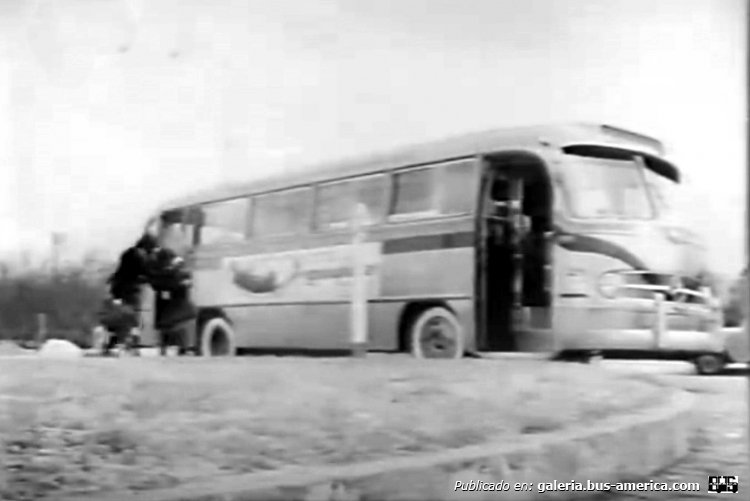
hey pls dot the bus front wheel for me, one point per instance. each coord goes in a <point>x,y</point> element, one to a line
<point>709,364</point>
<point>436,333</point>
<point>217,339</point>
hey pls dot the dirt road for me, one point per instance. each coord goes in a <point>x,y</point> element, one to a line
<point>721,446</point>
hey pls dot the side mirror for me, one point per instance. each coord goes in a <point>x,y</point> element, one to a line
<point>195,216</point>
<point>171,217</point>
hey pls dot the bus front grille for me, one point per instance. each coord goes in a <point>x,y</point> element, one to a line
<point>673,288</point>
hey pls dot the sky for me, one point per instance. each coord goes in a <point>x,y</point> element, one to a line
<point>113,106</point>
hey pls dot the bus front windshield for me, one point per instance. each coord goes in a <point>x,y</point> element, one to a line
<point>602,188</point>
<point>664,192</point>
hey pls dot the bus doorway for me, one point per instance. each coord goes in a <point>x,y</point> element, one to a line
<point>514,255</point>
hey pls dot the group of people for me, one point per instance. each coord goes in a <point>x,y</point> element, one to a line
<point>146,263</point>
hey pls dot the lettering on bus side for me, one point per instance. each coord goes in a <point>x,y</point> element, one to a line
<point>336,273</point>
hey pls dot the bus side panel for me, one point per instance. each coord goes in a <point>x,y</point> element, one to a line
<point>323,326</point>
<point>429,273</point>
<point>326,326</point>
<point>314,312</point>
<point>314,325</point>
<point>464,309</point>
<point>302,325</point>
<point>442,275</point>
<point>383,324</point>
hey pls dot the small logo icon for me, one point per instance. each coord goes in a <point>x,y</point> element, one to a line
<point>723,484</point>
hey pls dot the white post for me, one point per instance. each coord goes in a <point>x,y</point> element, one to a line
<point>660,325</point>
<point>41,328</point>
<point>713,304</point>
<point>359,283</point>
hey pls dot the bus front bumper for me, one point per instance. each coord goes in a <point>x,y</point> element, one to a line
<point>675,341</point>
<point>657,328</point>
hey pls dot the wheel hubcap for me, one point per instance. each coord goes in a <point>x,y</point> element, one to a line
<point>709,364</point>
<point>438,339</point>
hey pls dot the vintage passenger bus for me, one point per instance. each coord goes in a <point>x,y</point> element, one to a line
<point>552,238</point>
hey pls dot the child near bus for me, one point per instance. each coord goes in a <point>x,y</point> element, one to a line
<point>118,325</point>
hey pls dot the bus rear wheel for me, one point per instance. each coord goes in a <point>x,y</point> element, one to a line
<point>709,364</point>
<point>217,339</point>
<point>436,333</point>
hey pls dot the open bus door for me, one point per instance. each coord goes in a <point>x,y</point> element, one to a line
<point>515,268</point>
<point>500,262</point>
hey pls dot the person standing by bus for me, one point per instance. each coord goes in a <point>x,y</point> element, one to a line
<point>175,312</point>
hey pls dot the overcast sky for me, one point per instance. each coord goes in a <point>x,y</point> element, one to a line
<point>113,105</point>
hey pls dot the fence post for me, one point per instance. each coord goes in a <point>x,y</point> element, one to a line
<point>359,284</point>
<point>41,328</point>
<point>660,325</point>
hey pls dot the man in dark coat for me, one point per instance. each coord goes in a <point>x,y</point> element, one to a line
<point>132,271</point>
<point>175,312</point>
<point>121,310</point>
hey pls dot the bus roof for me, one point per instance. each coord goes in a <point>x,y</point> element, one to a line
<point>454,147</point>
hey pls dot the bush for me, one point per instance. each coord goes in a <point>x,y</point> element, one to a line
<point>70,300</point>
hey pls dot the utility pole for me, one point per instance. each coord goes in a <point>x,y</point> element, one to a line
<point>746,278</point>
<point>57,241</point>
<point>25,263</point>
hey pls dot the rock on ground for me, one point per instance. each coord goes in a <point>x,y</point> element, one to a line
<point>60,348</point>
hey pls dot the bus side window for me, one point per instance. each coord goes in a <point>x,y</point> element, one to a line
<point>190,234</point>
<point>282,213</point>
<point>414,194</point>
<point>458,187</point>
<point>224,222</point>
<point>174,234</point>
<point>331,204</point>
<point>373,192</point>
<point>336,201</point>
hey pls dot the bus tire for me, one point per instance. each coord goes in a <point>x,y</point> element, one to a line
<point>436,333</point>
<point>217,339</point>
<point>710,364</point>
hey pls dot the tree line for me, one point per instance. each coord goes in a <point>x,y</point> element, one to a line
<point>69,298</point>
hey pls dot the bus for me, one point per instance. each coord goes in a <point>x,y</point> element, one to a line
<point>555,238</point>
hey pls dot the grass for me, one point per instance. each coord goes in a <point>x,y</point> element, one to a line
<point>103,424</point>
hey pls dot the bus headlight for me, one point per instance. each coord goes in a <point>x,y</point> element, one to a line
<point>610,284</point>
